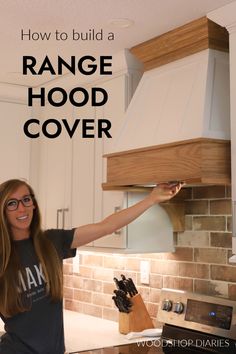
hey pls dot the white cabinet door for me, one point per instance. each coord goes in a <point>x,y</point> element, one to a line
<point>83,172</point>
<point>14,145</point>
<point>55,171</point>
<point>109,202</point>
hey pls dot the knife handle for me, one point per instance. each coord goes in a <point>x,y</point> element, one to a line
<point>133,287</point>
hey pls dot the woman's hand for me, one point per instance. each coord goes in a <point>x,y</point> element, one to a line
<point>165,191</point>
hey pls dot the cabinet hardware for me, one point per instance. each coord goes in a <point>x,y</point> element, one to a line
<point>234,218</point>
<point>58,212</point>
<point>116,209</point>
<point>63,216</point>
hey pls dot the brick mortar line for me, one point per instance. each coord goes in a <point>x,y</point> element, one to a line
<point>207,199</point>
<point>207,215</point>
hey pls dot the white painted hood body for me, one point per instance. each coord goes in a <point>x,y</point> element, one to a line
<point>185,99</point>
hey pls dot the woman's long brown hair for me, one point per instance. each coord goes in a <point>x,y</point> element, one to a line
<point>10,297</point>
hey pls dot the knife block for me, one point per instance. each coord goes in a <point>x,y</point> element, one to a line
<point>137,319</point>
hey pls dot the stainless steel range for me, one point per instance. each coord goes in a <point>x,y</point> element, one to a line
<point>193,323</point>
<point>197,322</point>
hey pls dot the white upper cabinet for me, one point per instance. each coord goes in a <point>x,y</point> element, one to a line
<point>89,202</point>
<point>55,164</point>
<point>15,146</point>
<point>107,203</point>
<point>83,163</point>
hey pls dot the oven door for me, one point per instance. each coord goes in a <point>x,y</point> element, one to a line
<point>188,350</point>
<point>182,341</point>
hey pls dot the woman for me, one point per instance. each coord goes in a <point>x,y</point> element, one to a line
<point>31,266</point>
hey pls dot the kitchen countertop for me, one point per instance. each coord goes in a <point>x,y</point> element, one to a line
<point>88,332</point>
<point>84,332</point>
<point>133,348</point>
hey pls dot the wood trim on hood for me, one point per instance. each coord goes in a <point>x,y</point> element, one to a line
<point>195,161</point>
<point>180,42</point>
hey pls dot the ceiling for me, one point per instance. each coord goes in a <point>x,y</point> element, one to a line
<point>150,18</point>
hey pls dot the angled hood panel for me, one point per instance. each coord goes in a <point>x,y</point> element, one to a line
<point>186,99</point>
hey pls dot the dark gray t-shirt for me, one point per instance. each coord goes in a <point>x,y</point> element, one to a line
<point>39,330</point>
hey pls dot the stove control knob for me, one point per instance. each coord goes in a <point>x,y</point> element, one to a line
<point>178,307</point>
<point>166,305</point>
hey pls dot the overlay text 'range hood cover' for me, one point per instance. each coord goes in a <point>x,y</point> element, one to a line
<point>178,110</point>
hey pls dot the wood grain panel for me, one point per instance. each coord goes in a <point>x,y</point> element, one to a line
<point>138,319</point>
<point>195,161</point>
<point>188,39</point>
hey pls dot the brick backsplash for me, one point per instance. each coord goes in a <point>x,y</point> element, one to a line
<point>199,263</point>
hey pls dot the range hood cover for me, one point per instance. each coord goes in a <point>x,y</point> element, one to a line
<point>177,126</point>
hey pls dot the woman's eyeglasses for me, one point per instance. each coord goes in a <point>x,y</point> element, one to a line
<point>12,204</point>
